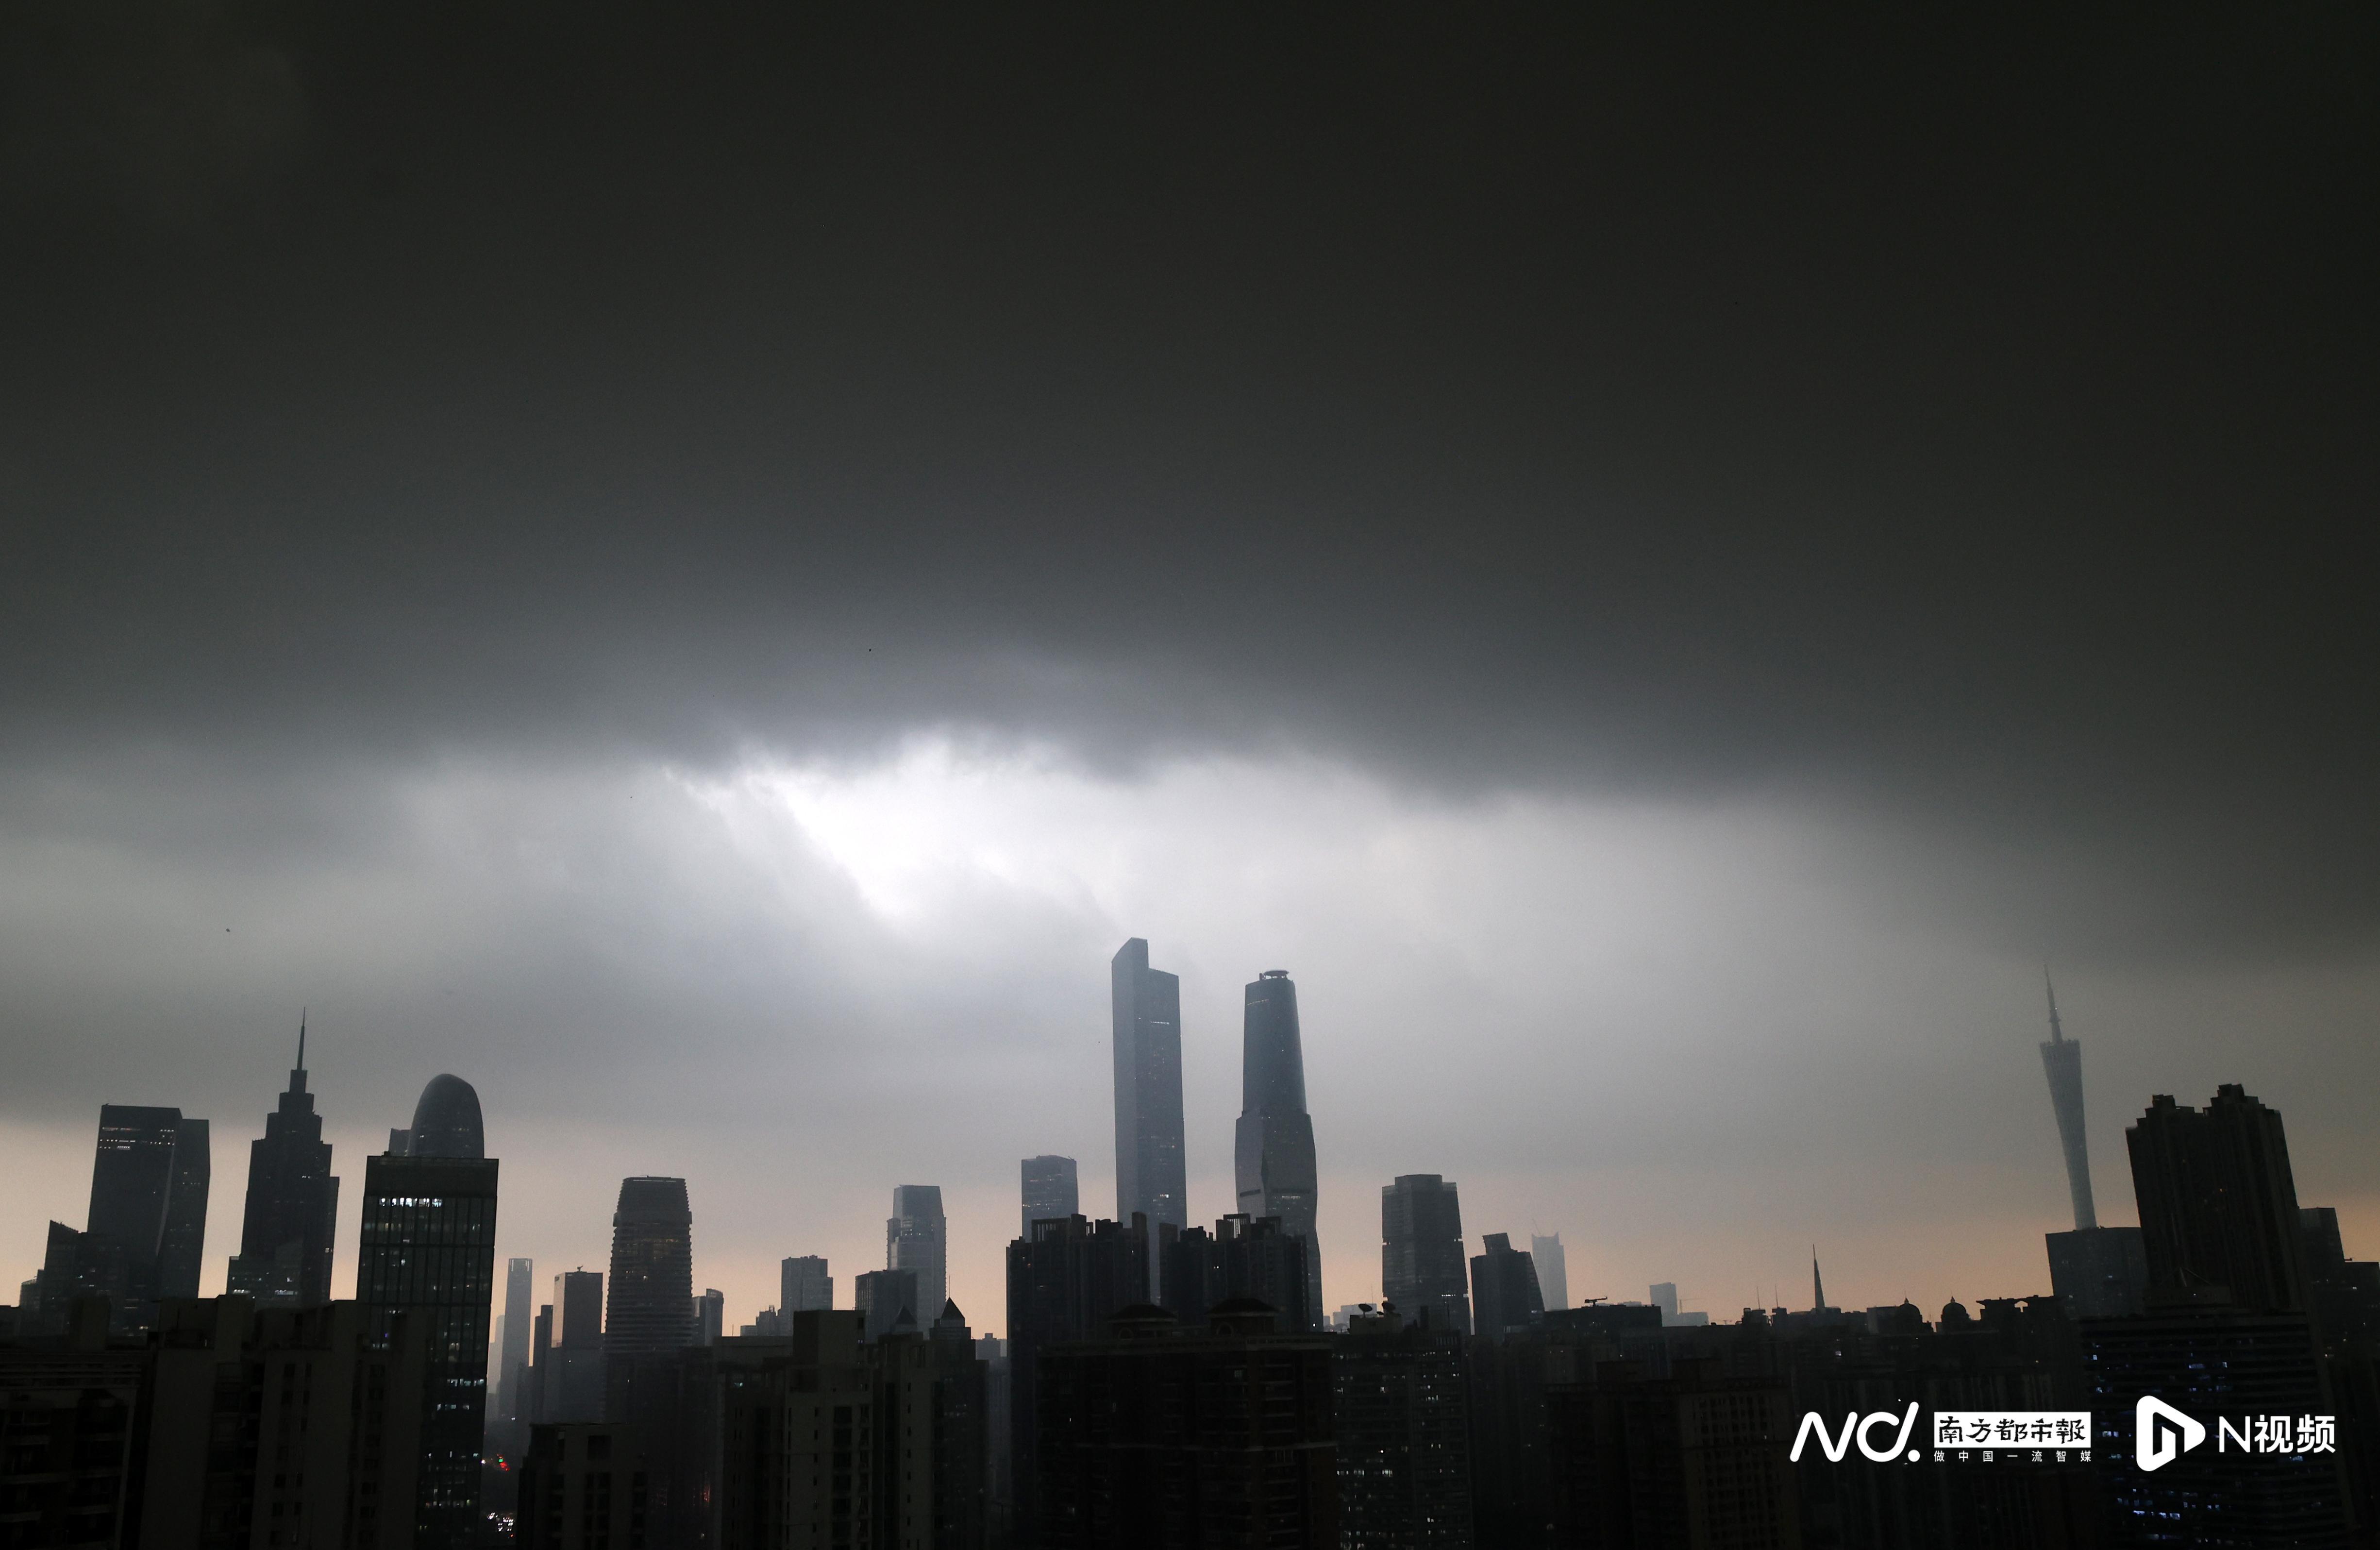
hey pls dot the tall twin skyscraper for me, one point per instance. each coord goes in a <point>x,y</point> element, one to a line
<point>1272,1147</point>
<point>1272,1151</point>
<point>1149,1176</point>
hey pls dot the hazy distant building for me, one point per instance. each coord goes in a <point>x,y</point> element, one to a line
<point>2062,1059</point>
<point>1423,1269</point>
<point>2095,1271</point>
<point>513,1348</point>
<point>428,1250</point>
<point>2218,1204</point>
<point>1504,1295</point>
<point>886,1300</point>
<point>803,1286</point>
<point>650,1307</point>
<point>709,1316</point>
<point>292,1206</point>
<point>1272,1150</point>
<point>1198,1271</point>
<point>1149,1167</point>
<point>1050,1191</point>
<point>1553,1272</point>
<point>917,1237</point>
<point>571,1387</point>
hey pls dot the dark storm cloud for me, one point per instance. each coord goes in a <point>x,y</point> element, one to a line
<point>1968,426</point>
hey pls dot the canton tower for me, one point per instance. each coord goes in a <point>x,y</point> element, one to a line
<point>2062,1058</point>
<point>1272,1151</point>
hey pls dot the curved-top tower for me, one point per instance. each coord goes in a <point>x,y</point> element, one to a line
<point>447,1121</point>
<point>1272,1152</point>
<point>651,1307</point>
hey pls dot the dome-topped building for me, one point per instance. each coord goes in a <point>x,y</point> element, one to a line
<point>446,1121</point>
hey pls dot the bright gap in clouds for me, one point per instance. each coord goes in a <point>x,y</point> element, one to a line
<point>1678,1034</point>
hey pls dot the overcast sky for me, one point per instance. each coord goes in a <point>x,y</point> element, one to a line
<point>703,570</point>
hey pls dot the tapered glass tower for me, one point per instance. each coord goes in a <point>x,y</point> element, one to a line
<point>1272,1153</point>
<point>1150,1170</point>
<point>651,1306</point>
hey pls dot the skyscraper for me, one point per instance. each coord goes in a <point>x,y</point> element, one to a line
<point>651,1306</point>
<point>512,1351</point>
<point>1050,1190</point>
<point>2062,1058</point>
<point>147,1224</point>
<point>915,1238</point>
<point>1504,1295</point>
<point>572,1388</point>
<point>1553,1270</point>
<point>1149,1167</point>
<point>804,1285</point>
<point>293,1204</point>
<point>428,1249</point>
<point>2219,1204</point>
<point>1422,1264</point>
<point>1272,1150</point>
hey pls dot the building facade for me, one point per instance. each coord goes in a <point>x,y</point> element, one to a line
<point>291,1213</point>
<point>1423,1269</point>
<point>1272,1146</point>
<point>917,1237</point>
<point>1051,1191</point>
<point>1150,1170</point>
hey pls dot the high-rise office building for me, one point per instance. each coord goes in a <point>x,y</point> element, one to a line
<point>916,1239</point>
<point>293,1204</point>
<point>651,1307</point>
<point>1553,1271</point>
<point>804,1285</point>
<point>1272,1147</point>
<point>2219,1204</point>
<point>181,1248</point>
<point>428,1250</point>
<point>1504,1295</point>
<point>147,1223</point>
<point>1050,1191</point>
<point>1149,1167</point>
<point>513,1348</point>
<point>1423,1269</point>
<point>2062,1058</point>
<point>709,1316</point>
<point>149,1193</point>
<point>571,1387</point>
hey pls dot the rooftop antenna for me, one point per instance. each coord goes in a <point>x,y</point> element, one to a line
<point>301,1038</point>
<point>2056,1034</point>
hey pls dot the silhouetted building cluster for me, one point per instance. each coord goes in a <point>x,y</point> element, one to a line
<point>1160,1383</point>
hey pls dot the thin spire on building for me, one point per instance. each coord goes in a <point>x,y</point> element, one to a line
<point>1817,1282</point>
<point>301,1038</point>
<point>2056,1034</point>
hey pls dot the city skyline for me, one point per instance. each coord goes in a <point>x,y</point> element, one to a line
<point>449,1106</point>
